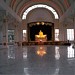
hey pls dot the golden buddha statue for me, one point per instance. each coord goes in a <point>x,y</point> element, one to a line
<point>40,35</point>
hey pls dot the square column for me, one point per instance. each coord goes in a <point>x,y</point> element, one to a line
<point>5,31</point>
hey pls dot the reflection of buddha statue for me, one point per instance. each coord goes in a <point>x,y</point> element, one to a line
<point>41,51</point>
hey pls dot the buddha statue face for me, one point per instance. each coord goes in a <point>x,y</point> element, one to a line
<point>40,33</point>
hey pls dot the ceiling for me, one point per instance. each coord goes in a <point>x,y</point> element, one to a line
<point>19,6</point>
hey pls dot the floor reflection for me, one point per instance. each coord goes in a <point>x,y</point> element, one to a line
<point>57,54</point>
<point>70,52</point>
<point>37,60</point>
<point>11,52</point>
<point>41,51</point>
<point>41,64</point>
<point>24,52</point>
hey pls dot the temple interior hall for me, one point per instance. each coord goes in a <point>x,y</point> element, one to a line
<point>37,37</point>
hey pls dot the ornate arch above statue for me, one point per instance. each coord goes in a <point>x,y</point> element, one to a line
<point>40,6</point>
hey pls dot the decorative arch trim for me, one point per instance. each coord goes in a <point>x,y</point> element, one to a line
<point>40,6</point>
<point>26,5</point>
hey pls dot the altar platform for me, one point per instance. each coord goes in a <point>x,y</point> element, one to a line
<point>46,43</point>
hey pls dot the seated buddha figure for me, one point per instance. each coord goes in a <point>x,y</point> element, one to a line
<point>40,35</point>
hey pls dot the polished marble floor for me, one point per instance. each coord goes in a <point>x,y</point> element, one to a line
<point>37,60</point>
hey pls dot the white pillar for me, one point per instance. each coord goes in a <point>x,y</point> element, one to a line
<point>1,35</point>
<point>20,34</point>
<point>61,33</point>
<point>5,31</point>
<point>16,33</point>
<point>26,34</point>
<point>74,28</point>
<point>24,27</point>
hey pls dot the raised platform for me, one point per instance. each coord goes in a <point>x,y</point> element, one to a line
<point>46,43</point>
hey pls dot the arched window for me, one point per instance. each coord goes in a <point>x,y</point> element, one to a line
<point>40,6</point>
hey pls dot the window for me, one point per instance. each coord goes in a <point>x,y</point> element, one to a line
<point>70,34</point>
<point>56,34</point>
<point>24,35</point>
<point>10,35</point>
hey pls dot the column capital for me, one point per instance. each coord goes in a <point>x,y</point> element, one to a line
<point>5,19</point>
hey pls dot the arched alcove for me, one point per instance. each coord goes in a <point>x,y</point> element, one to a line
<point>40,14</point>
<point>46,27</point>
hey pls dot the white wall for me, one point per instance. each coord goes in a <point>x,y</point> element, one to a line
<point>67,21</point>
<point>40,14</point>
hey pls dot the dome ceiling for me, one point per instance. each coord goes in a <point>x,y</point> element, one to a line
<point>19,6</point>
